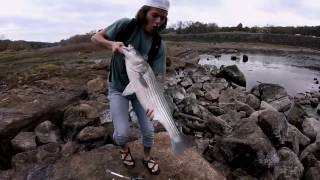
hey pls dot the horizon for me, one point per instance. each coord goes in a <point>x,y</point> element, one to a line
<point>32,20</point>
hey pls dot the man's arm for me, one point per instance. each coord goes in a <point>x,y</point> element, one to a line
<point>101,40</point>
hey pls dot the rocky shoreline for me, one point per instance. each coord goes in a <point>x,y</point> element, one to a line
<point>262,133</point>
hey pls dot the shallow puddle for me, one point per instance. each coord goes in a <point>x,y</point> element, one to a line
<point>296,73</point>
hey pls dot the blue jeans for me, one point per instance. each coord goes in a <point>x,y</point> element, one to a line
<point>119,106</point>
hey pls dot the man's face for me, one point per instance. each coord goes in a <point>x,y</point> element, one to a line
<point>155,18</point>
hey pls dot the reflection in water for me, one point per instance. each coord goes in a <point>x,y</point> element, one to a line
<point>296,74</point>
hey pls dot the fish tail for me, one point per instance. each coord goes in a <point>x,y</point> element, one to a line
<point>180,143</point>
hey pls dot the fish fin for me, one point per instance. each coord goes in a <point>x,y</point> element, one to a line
<point>143,81</point>
<point>181,143</point>
<point>130,89</point>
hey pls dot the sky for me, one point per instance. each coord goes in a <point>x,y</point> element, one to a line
<point>54,20</point>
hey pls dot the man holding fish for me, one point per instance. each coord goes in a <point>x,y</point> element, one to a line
<point>132,79</point>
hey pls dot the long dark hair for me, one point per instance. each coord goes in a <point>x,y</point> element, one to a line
<point>141,17</point>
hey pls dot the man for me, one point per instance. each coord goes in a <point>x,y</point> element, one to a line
<point>143,35</point>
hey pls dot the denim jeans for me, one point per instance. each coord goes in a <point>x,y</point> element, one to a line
<point>119,106</point>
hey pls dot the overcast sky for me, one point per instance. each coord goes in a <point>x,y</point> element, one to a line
<point>53,20</point>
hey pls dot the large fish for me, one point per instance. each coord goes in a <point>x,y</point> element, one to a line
<point>143,83</point>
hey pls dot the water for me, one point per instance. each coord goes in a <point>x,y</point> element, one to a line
<point>296,73</point>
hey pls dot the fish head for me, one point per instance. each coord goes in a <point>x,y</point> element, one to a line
<point>134,60</point>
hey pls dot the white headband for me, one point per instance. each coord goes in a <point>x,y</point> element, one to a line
<point>161,4</point>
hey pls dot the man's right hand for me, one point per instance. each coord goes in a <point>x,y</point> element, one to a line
<point>117,47</point>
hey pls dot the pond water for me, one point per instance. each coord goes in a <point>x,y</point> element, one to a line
<point>296,73</point>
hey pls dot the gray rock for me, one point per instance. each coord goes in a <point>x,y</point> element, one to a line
<point>274,125</point>
<point>23,159</point>
<point>217,111</point>
<point>269,92</point>
<point>69,148</point>
<point>231,117</point>
<point>296,115</point>
<point>244,107</point>
<point>253,101</point>
<point>296,139</point>
<point>312,173</point>
<point>233,74</point>
<point>91,133</point>
<point>6,175</point>
<point>314,102</point>
<point>212,95</point>
<point>311,128</point>
<point>318,109</point>
<point>48,153</point>
<point>47,132</point>
<point>218,126</point>
<point>310,154</point>
<point>289,167</point>
<point>283,104</point>
<point>186,82</point>
<point>77,117</point>
<point>229,95</point>
<point>247,146</point>
<point>97,85</point>
<point>24,141</point>
<point>196,89</point>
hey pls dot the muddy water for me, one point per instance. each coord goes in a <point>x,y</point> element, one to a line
<point>294,72</point>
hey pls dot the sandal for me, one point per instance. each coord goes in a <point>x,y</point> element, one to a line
<point>152,166</point>
<point>127,159</point>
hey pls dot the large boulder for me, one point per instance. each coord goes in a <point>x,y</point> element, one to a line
<point>47,132</point>
<point>311,127</point>
<point>91,133</point>
<point>269,92</point>
<point>233,74</point>
<point>296,115</point>
<point>249,148</point>
<point>274,125</point>
<point>253,101</point>
<point>289,167</point>
<point>97,85</point>
<point>24,141</point>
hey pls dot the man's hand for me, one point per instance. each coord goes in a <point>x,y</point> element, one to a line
<point>150,114</point>
<point>117,47</point>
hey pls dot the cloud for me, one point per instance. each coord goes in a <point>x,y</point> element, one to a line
<point>45,20</point>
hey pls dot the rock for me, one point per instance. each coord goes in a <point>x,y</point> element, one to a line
<point>215,110</point>
<point>172,81</point>
<point>6,175</point>
<point>24,141</point>
<point>253,101</point>
<point>240,106</point>
<point>234,58</point>
<point>310,154</point>
<point>233,74</point>
<point>295,139</point>
<point>289,166</point>
<point>312,173</point>
<point>196,89</point>
<point>91,133</point>
<point>314,102</point>
<point>48,153</point>
<point>178,94</point>
<point>187,82</point>
<point>93,164</point>
<point>212,95</point>
<point>77,117</point>
<point>245,58</point>
<point>47,132</point>
<point>97,85</point>
<point>218,126</point>
<point>249,148</point>
<point>274,125</point>
<point>283,104</point>
<point>23,159</point>
<point>22,109</point>
<point>232,117</point>
<point>69,148</point>
<point>229,96</point>
<point>311,128</point>
<point>296,115</point>
<point>269,92</point>
<point>318,109</point>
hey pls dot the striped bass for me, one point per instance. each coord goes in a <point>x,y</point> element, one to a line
<point>143,83</point>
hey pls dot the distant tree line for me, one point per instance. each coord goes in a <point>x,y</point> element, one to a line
<point>188,27</point>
